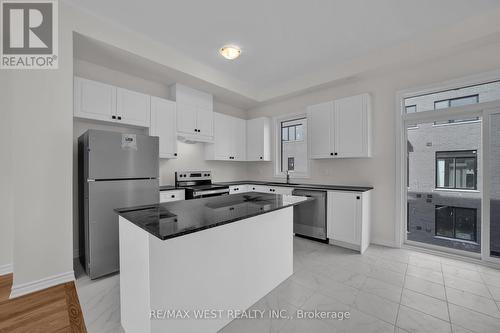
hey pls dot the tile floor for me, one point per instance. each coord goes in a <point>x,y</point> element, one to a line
<point>385,290</point>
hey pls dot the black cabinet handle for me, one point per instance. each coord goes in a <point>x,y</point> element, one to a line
<point>358,197</point>
<point>175,154</point>
<point>113,117</point>
<point>119,118</point>
<point>231,208</point>
<point>336,154</point>
<point>253,188</point>
<point>172,196</point>
<point>261,157</point>
<point>331,154</point>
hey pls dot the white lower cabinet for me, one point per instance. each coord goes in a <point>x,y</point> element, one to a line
<point>233,189</point>
<point>258,188</point>
<point>283,190</point>
<point>171,195</point>
<point>348,219</point>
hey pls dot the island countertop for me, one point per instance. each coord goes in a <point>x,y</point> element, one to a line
<point>178,218</point>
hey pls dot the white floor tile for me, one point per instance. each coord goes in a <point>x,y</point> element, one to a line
<point>472,287</point>
<point>361,322</point>
<point>417,322</point>
<point>383,289</point>
<point>377,306</point>
<point>472,320</point>
<point>425,287</point>
<point>292,292</point>
<point>458,329</point>
<point>491,279</point>
<point>391,277</point>
<point>473,302</point>
<point>423,303</point>
<point>462,273</point>
<point>426,274</point>
<point>391,265</point>
<point>425,263</point>
<point>369,286</point>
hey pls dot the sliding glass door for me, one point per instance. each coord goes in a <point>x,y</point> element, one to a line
<point>443,184</point>
<point>492,185</point>
<point>450,170</point>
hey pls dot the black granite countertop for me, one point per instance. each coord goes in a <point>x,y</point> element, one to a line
<point>169,188</point>
<point>174,219</point>
<point>301,186</point>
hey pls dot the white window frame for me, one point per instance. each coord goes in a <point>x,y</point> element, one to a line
<point>277,144</point>
<point>483,110</point>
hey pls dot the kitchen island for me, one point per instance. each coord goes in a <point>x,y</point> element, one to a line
<point>191,266</point>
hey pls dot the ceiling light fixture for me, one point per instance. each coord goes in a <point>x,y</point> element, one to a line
<point>230,52</point>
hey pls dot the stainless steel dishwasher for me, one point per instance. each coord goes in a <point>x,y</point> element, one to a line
<point>309,219</point>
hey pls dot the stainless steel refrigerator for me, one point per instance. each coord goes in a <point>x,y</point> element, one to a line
<point>115,170</point>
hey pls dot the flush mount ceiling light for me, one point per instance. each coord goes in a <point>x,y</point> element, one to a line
<point>230,52</point>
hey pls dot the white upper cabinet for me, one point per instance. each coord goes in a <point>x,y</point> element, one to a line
<point>240,139</point>
<point>186,120</point>
<point>132,108</point>
<point>100,101</point>
<point>195,116</point>
<point>341,128</point>
<point>258,139</point>
<point>163,125</point>
<point>352,130</point>
<point>229,143</point>
<point>94,100</point>
<point>320,120</point>
<point>221,149</point>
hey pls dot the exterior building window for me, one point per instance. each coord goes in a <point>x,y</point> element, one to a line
<point>456,222</point>
<point>411,108</point>
<point>456,170</point>
<point>454,102</point>
<point>292,132</point>
<point>293,142</point>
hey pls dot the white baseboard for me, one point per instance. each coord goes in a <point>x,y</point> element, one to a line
<point>384,242</point>
<point>5,269</point>
<point>27,288</point>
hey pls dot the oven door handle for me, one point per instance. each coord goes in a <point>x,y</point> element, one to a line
<point>201,193</point>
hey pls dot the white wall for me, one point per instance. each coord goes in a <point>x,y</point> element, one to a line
<point>40,103</point>
<point>378,171</point>
<point>190,156</point>
<point>6,226</point>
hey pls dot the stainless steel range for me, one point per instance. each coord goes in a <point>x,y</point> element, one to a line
<point>198,184</point>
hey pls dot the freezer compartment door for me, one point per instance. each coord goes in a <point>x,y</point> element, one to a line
<point>309,218</point>
<point>113,155</point>
<point>104,197</point>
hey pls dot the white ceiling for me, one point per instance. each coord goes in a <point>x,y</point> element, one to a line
<point>283,40</point>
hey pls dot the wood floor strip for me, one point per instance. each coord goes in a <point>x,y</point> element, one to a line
<point>77,323</point>
<point>54,309</point>
<point>5,286</point>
